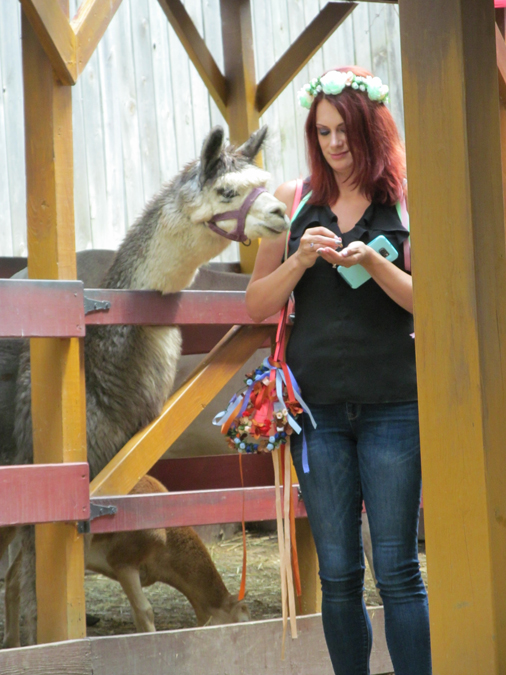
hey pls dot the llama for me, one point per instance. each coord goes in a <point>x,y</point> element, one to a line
<point>130,369</point>
<point>175,556</point>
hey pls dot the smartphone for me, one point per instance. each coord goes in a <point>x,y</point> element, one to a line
<point>356,275</point>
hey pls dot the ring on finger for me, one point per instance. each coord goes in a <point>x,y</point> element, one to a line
<point>311,244</point>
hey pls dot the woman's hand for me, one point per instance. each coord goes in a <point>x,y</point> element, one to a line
<point>357,253</point>
<point>316,240</point>
<point>397,284</point>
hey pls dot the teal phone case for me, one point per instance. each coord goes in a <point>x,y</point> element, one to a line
<point>356,275</point>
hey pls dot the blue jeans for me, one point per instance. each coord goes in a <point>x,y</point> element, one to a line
<point>367,452</point>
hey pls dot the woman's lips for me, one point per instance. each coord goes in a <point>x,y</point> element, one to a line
<point>339,155</point>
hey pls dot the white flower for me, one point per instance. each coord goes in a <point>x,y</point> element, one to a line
<point>333,82</point>
<point>384,91</point>
<point>354,85</point>
<point>305,98</point>
<point>350,77</point>
<point>362,87</point>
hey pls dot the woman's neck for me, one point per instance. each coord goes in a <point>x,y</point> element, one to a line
<point>351,203</point>
<point>348,189</point>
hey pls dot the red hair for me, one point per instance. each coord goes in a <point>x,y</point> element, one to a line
<point>373,140</point>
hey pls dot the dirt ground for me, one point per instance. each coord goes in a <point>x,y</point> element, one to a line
<point>106,600</point>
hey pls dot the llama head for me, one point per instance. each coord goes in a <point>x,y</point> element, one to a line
<point>232,610</point>
<point>226,177</point>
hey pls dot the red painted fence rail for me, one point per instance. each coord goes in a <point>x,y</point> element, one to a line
<point>44,493</point>
<point>39,308</point>
<point>200,507</point>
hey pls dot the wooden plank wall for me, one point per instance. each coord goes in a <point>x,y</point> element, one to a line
<point>212,650</point>
<point>141,110</point>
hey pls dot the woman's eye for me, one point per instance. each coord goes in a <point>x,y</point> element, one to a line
<point>324,132</point>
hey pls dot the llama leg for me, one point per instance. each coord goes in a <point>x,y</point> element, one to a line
<point>28,596</point>
<point>144,617</point>
<point>12,586</point>
<point>7,534</point>
<point>367,543</point>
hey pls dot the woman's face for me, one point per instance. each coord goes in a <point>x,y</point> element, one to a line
<point>332,138</point>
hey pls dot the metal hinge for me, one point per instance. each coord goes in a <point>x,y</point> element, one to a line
<point>96,511</point>
<point>91,305</point>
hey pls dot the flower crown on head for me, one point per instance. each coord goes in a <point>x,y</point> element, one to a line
<point>335,81</point>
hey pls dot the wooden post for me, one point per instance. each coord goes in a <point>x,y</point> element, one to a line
<point>239,59</point>
<point>455,197</point>
<point>58,387</point>
<point>500,47</point>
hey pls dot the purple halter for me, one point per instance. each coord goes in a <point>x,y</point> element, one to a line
<point>240,215</point>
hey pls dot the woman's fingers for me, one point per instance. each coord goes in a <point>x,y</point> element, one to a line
<point>315,241</point>
<point>347,257</point>
<point>324,231</point>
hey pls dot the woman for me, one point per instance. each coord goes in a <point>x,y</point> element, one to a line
<point>352,353</point>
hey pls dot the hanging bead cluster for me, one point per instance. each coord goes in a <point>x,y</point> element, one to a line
<point>264,425</point>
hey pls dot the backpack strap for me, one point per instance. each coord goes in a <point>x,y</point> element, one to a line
<point>298,194</point>
<point>402,212</point>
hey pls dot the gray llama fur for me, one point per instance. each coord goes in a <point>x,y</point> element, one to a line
<point>130,370</point>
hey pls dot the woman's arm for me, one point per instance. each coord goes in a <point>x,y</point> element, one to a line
<point>397,284</point>
<point>272,281</point>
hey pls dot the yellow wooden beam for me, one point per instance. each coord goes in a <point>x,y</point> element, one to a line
<point>57,372</point>
<point>198,52</point>
<point>456,210</point>
<point>89,25</point>
<point>300,52</point>
<point>138,456</point>
<point>239,58</point>
<point>56,36</point>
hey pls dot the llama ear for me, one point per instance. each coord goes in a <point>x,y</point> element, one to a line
<point>251,148</point>
<point>211,151</point>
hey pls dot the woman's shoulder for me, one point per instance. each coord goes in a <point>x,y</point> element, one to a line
<point>286,194</point>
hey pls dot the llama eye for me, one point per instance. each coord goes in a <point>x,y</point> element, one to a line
<point>227,193</point>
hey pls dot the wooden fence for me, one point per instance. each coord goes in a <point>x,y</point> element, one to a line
<point>27,496</point>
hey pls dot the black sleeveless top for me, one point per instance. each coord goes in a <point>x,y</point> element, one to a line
<point>350,345</point>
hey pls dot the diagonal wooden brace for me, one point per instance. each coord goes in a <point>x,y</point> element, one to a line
<point>142,451</point>
<point>300,52</point>
<point>55,35</point>
<point>198,52</point>
<point>69,45</point>
<point>89,25</point>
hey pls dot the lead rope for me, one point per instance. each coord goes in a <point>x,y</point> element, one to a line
<point>285,518</point>
<point>242,589</point>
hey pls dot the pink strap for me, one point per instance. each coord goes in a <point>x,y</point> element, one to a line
<point>279,352</point>
<point>298,195</point>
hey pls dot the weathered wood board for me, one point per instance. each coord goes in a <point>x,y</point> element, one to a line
<point>241,649</point>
